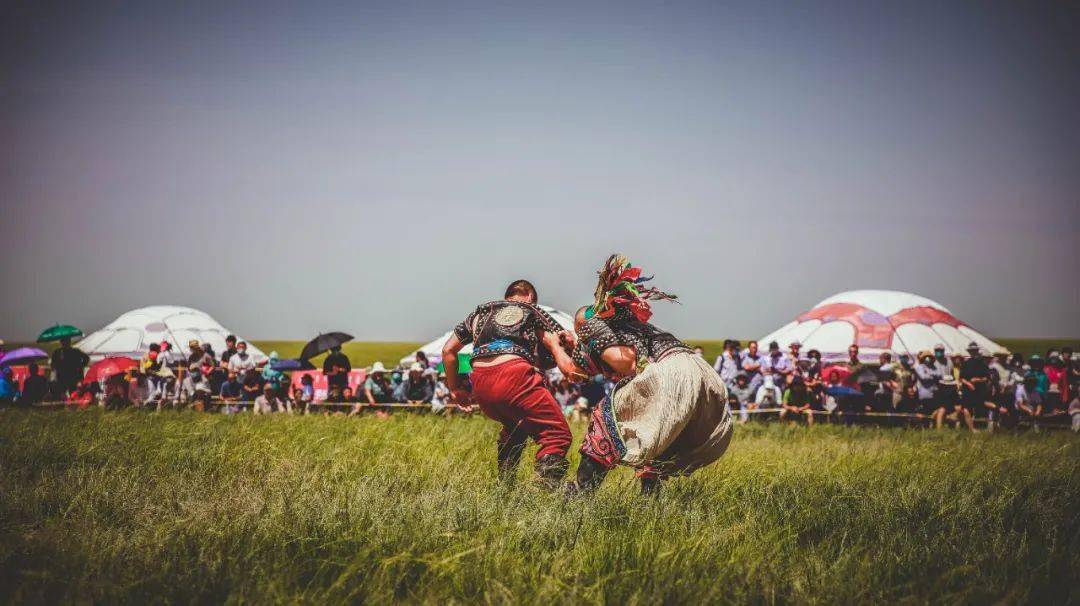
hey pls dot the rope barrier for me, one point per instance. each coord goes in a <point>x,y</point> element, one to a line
<point>1053,421</point>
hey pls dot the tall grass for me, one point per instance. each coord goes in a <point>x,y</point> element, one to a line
<point>181,507</point>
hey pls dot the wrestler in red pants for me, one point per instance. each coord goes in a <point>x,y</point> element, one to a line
<point>514,393</point>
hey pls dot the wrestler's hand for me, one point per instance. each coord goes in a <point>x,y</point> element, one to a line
<point>460,397</point>
<point>567,339</point>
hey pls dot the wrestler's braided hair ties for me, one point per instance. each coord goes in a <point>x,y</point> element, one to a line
<point>622,289</point>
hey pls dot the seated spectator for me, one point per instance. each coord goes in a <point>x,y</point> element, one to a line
<point>797,402</point>
<point>116,392</point>
<point>232,390</point>
<point>440,394</point>
<point>1056,386</point>
<point>347,395</point>
<point>396,379</point>
<point>251,383</point>
<point>203,392</point>
<point>271,376</point>
<point>9,391</point>
<point>336,368</point>
<point>743,393</point>
<point>34,387</point>
<point>242,362</point>
<point>581,411</point>
<point>416,389</point>
<point>1074,411</point>
<point>1029,401</point>
<point>976,383</point>
<point>886,384</point>
<point>909,404</point>
<point>138,389</point>
<point>769,394</point>
<point>949,397</point>
<point>377,389</point>
<point>84,395</point>
<point>565,395</point>
<point>269,402</point>
<point>304,396</point>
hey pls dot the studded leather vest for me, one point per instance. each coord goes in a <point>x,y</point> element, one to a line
<point>649,342</point>
<point>508,327</point>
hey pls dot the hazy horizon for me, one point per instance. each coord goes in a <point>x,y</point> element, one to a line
<point>381,168</point>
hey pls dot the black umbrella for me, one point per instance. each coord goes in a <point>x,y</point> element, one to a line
<point>323,343</point>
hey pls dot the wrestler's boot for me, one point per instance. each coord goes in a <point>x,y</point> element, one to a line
<point>509,457</point>
<point>590,474</point>
<point>551,469</point>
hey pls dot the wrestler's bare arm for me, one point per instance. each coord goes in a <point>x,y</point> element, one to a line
<point>563,360</point>
<point>450,364</point>
<point>622,360</point>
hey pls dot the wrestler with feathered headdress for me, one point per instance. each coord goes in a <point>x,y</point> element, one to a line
<point>668,414</point>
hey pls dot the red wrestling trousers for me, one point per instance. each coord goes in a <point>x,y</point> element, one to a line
<point>514,394</point>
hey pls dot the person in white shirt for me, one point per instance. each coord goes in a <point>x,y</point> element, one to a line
<point>241,361</point>
<point>269,402</point>
<point>768,395</point>
<point>440,396</point>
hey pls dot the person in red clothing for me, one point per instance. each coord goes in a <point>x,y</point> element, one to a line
<point>512,339</point>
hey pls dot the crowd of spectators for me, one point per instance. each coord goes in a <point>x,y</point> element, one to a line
<point>936,389</point>
<point>994,388</point>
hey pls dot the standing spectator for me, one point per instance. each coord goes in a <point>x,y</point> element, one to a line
<point>975,382</point>
<point>198,359</point>
<point>230,350</point>
<point>728,363</point>
<point>422,359</point>
<point>941,362</point>
<point>241,362</point>
<point>415,389</point>
<point>810,369</point>
<point>797,402</point>
<point>68,364</point>
<point>1074,411</point>
<point>926,387</point>
<point>887,386</point>
<point>336,367</point>
<point>699,352</point>
<point>752,364</point>
<point>778,365</point>
<point>950,393</point>
<point>1072,374</point>
<point>269,402</point>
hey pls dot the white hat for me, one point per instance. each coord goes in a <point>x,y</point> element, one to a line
<point>377,367</point>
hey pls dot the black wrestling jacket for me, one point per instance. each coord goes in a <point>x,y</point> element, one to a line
<point>509,327</point>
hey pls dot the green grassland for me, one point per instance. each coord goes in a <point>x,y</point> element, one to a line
<point>140,507</point>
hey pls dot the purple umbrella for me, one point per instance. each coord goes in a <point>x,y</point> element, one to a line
<point>22,355</point>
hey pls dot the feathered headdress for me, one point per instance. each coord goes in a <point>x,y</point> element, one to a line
<point>622,287</point>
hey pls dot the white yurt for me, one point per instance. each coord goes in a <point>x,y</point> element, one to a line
<point>877,321</point>
<point>132,333</point>
<point>433,350</point>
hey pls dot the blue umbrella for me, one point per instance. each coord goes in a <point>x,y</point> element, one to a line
<point>289,365</point>
<point>22,355</point>
<point>840,391</point>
